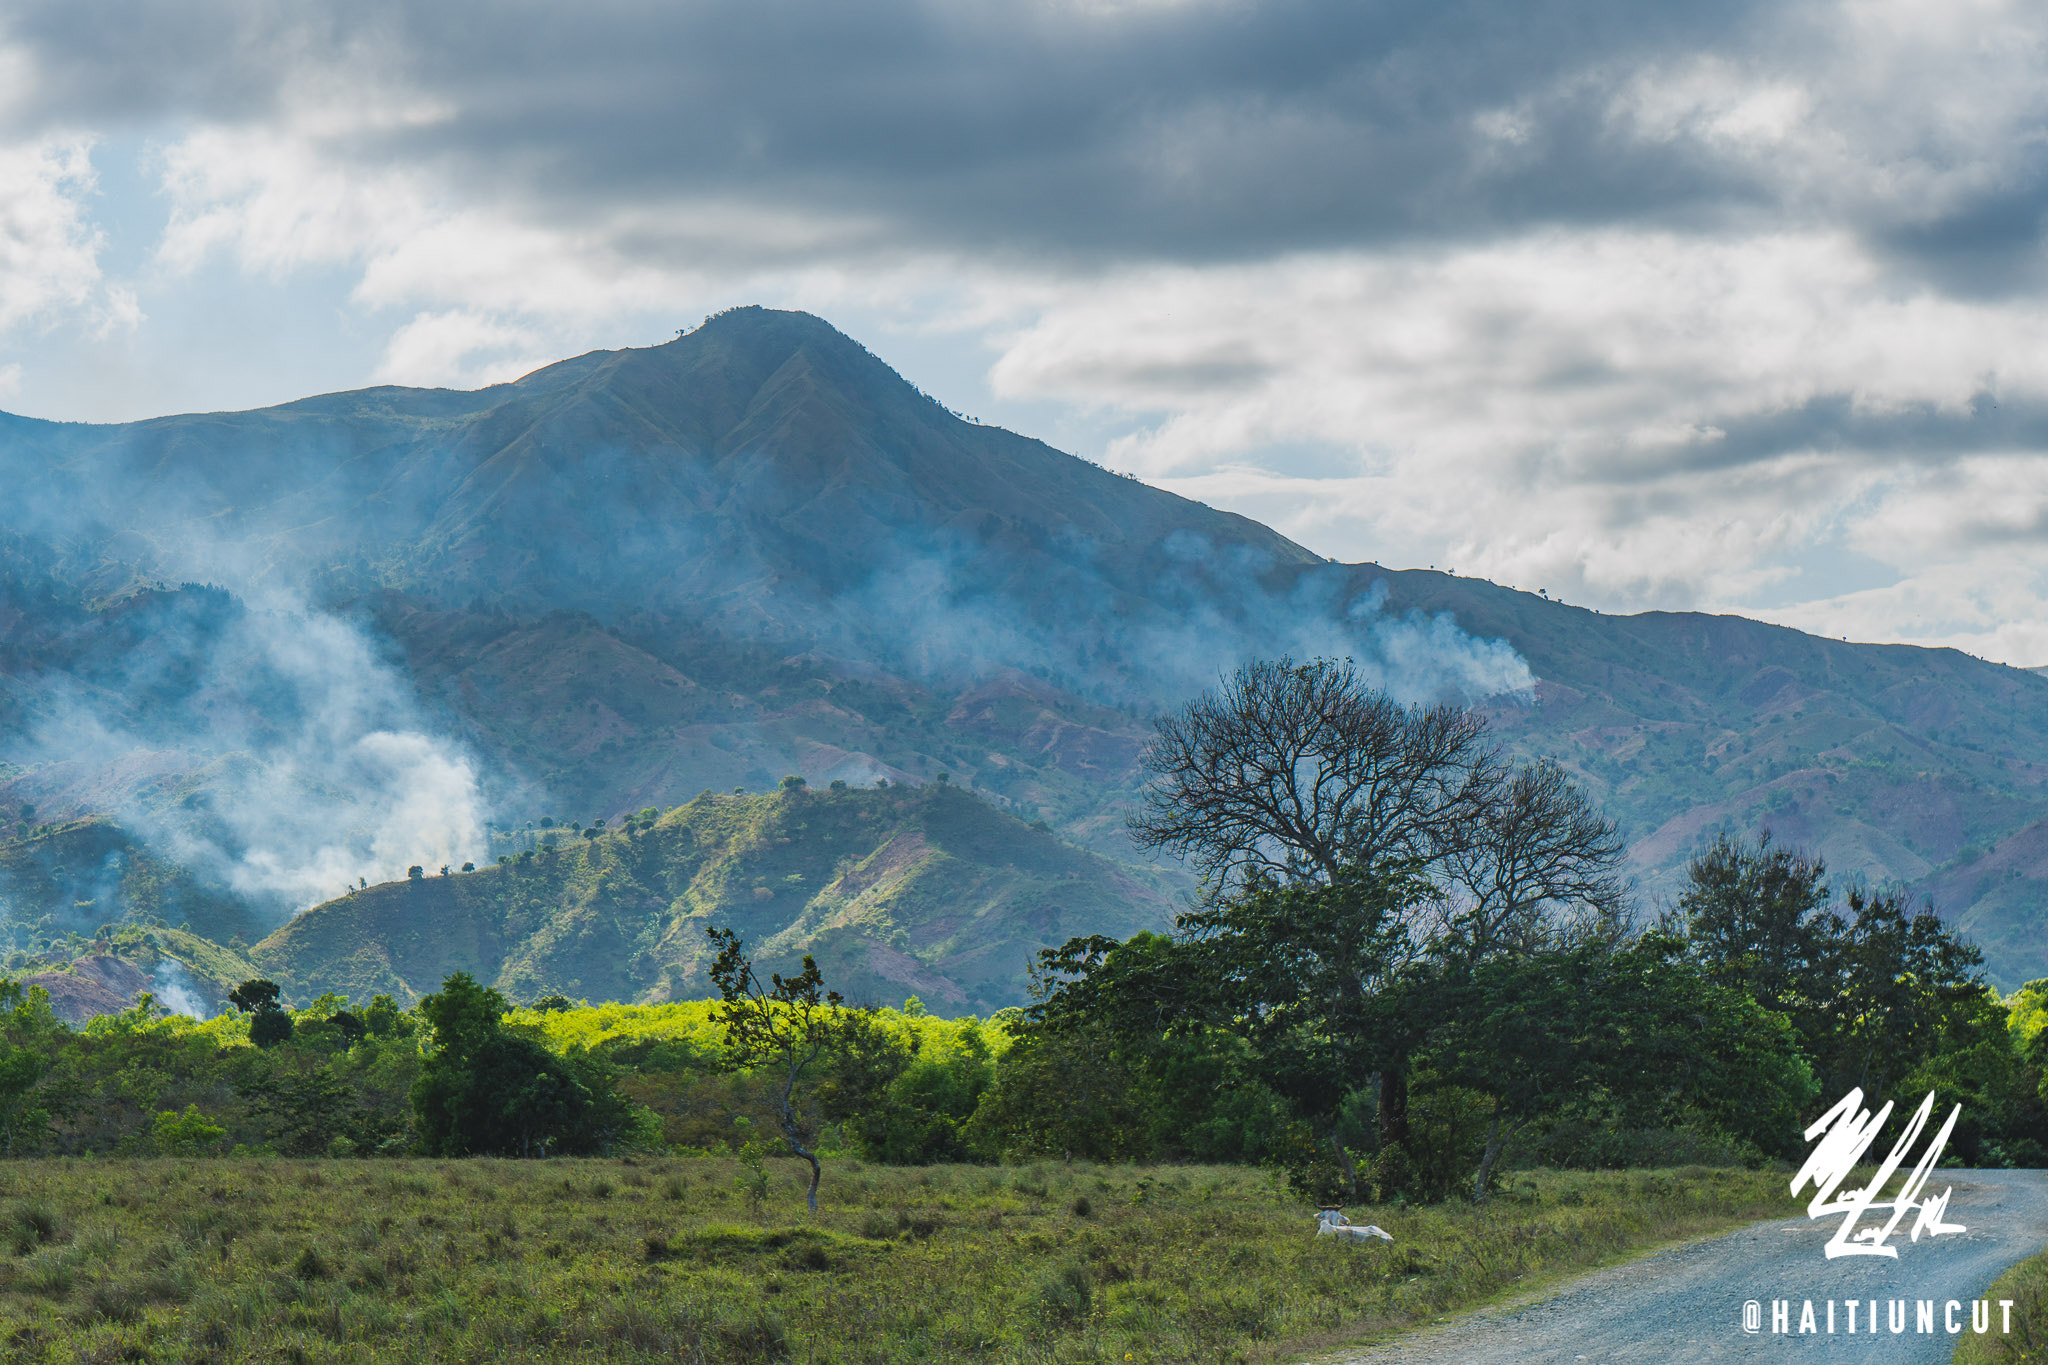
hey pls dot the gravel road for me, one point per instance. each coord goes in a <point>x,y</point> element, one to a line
<point>1686,1304</point>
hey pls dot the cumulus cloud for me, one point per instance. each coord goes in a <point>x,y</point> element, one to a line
<point>1645,419</point>
<point>459,349</point>
<point>49,249</point>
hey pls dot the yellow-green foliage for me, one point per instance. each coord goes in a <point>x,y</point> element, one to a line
<point>587,1026</point>
<point>223,1030</point>
<point>674,1259</point>
<point>691,1022</point>
<point>2028,1013</point>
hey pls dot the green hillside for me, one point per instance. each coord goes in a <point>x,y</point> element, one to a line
<point>897,891</point>
<point>1922,768</point>
<point>64,881</point>
<point>756,550</point>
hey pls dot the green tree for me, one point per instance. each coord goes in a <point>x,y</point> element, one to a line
<point>1070,1092</point>
<point>29,1033</point>
<point>906,1107</point>
<point>186,1134</point>
<point>383,1018</point>
<point>486,1090</point>
<point>268,1028</point>
<point>254,996</point>
<point>1313,975</point>
<point>1873,989</point>
<point>1640,1031</point>
<point>1755,917</point>
<point>269,1022</point>
<point>1909,989</point>
<point>1303,781</point>
<point>1975,1062</point>
<point>793,1029</point>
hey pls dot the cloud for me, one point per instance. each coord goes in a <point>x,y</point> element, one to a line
<point>1190,131</point>
<point>1640,419</point>
<point>1676,306</point>
<point>49,249</point>
<point>459,349</point>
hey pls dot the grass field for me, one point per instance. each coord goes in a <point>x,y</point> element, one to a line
<point>705,1259</point>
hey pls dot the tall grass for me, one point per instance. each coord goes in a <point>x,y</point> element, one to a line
<point>675,1259</point>
<point>2026,1284</point>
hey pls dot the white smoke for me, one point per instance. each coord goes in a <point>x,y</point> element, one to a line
<point>308,763</point>
<point>356,788</point>
<point>174,990</point>
<point>1200,612</point>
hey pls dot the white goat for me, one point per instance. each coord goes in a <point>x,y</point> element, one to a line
<point>1330,1222</point>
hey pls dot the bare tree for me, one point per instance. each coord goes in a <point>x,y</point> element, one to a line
<point>1305,776</point>
<point>1297,771</point>
<point>1538,867</point>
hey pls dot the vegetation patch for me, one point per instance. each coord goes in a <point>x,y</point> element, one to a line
<point>810,1247</point>
<point>372,1261</point>
<point>2026,1284</point>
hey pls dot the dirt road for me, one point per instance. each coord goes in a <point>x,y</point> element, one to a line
<point>1686,1304</point>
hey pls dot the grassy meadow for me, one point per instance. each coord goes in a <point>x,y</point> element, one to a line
<point>713,1259</point>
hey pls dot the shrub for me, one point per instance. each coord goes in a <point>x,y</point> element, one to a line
<point>30,1226</point>
<point>186,1134</point>
<point>1064,1295</point>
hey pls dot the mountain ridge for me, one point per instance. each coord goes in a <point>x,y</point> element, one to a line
<point>754,550</point>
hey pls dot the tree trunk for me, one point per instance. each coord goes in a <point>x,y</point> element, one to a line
<point>1348,1167</point>
<point>789,1136</point>
<point>810,1195</point>
<point>1494,1139</point>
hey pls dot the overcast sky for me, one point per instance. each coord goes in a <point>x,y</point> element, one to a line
<point>1719,306</point>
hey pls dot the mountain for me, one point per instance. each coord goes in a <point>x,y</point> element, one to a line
<point>625,579</point>
<point>897,891</point>
<point>746,476</point>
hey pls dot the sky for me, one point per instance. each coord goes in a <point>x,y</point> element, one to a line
<point>1723,307</point>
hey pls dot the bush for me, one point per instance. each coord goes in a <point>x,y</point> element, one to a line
<point>1064,1295</point>
<point>186,1134</point>
<point>486,1091</point>
<point>32,1225</point>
